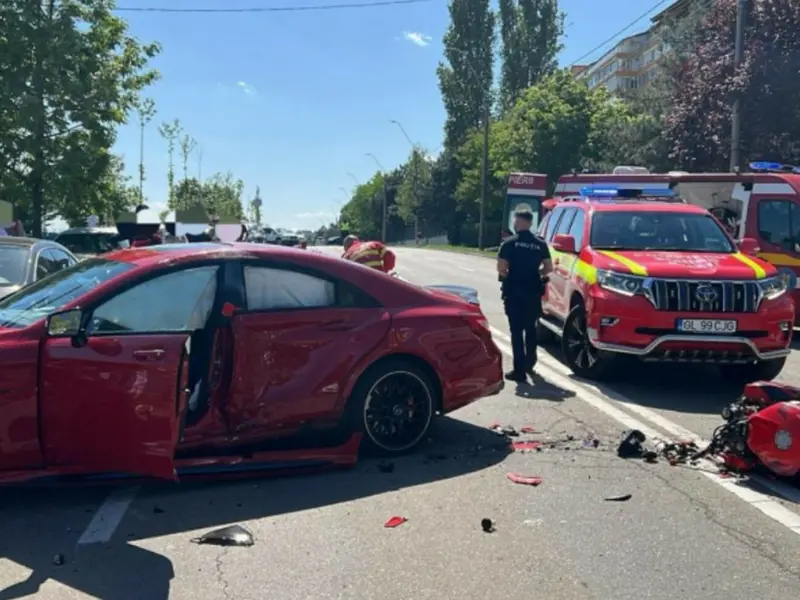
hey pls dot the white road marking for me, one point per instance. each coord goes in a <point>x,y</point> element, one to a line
<point>466,269</point>
<point>560,375</point>
<point>108,516</point>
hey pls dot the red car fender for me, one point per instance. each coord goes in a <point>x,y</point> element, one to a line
<point>774,437</point>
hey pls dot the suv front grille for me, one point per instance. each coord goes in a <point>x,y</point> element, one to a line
<point>680,295</point>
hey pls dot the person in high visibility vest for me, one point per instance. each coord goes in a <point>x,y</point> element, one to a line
<point>370,254</point>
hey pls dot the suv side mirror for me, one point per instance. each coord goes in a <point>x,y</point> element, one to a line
<point>65,324</point>
<point>748,246</point>
<point>564,243</point>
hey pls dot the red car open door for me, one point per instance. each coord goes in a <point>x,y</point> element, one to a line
<point>114,405</point>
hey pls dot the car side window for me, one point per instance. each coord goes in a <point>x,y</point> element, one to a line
<point>577,227</point>
<point>45,265</point>
<point>779,224</point>
<point>566,221</point>
<point>178,301</point>
<point>551,224</point>
<point>541,231</point>
<point>60,259</point>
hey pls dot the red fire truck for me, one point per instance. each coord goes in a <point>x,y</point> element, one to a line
<point>523,188</point>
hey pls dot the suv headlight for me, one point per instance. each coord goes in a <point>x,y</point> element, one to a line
<point>627,285</point>
<point>774,287</point>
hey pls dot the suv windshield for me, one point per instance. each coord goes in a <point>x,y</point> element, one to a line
<point>89,243</point>
<point>13,264</point>
<point>51,294</point>
<point>666,231</point>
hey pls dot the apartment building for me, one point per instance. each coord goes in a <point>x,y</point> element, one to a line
<point>634,61</point>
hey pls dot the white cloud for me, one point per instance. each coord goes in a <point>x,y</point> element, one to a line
<point>246,88</point>
<point>320,214</point>
<point>416,38</point>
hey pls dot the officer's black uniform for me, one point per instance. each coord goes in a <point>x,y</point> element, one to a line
<point>522,296</point>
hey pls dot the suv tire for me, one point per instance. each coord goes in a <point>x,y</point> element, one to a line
<point>765,370</point>
<point>581,357</point>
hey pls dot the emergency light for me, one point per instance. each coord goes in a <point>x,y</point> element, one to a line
<point>616,192</point>
<point>773,166</point>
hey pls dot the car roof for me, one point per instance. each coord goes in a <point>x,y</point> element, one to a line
<point>149,255</point>
<point>26,242</point>
<point>90,230</point>
<point>645,206</point>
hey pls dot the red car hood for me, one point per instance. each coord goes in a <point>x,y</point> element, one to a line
<point>700,265</point>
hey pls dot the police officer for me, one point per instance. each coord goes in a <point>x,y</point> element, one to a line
<point>523,264</point>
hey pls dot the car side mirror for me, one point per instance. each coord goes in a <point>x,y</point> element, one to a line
<point>564,243</point>
<point>749,246</point>
<point>65,324</point>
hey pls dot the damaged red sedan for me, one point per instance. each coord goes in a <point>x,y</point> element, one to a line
<point>211,359</point>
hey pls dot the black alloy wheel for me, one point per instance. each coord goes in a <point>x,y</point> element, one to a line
<point>581,356</point>
<point>398,407</point>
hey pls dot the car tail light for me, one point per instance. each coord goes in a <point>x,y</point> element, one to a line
<point>477,322</point>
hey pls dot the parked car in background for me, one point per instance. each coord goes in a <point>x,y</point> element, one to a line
<point>25,260</point>
<point>215,358</point>
<point>84,242</point>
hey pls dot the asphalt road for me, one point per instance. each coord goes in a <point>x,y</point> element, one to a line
<point>683,532</point>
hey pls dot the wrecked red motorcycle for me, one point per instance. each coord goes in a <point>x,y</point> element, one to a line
<point>761,429</point>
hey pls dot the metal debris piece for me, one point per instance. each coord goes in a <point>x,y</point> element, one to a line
<point>623,498</point>
<point>395,522</point>
<point>233,535</point>
<point>533,480</point>
<point>487,526</point>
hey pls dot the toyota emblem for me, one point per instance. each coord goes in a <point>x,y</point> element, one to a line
<point>783,440</point>
<point>705,294</point>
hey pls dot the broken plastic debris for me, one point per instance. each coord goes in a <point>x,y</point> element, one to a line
<point>524,479</point>
<point>487,525</point>
<point>528,430</point>
<point>623,498</point>
<point>395,522</point>
<point>233,535</point>
<point>526,445</point>
<point>631,444</point>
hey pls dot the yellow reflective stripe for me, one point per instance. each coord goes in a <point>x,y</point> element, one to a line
<point>779,260</point>
<point>578,266</point>
<point>373,263</point>
<point>757,268</point>
<point>634,267</point>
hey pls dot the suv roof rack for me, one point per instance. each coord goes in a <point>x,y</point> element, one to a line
<point>772,167</point>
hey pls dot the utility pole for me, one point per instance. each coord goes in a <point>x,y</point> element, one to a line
<point>736,115</point>
<point>484,173</point>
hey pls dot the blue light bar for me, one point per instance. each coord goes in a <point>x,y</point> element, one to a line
<point>607,192</point>
<point>773,166</point>
<point>616,192</point>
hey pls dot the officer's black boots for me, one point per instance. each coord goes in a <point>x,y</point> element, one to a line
<point>514,376</point>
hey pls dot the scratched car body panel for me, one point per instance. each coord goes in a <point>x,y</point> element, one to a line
<point>207,360</point>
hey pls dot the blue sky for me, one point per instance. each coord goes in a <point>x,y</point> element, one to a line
<point>292,101</point>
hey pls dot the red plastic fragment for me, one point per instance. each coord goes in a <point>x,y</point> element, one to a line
<point>228,309</point>
<point>526,445</point>
<point>495,425</point>
<point>524,479</point>
<point>528,430</point>
<point>395,522</point>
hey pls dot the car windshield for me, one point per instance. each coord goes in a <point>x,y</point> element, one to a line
<point>13,264</point>
<point>655,230</point>
<point>51,294</point>
<point>89,243</point>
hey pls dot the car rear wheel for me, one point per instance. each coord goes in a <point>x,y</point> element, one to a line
<point>393,406</point>
<point>584,359</point>
<point>765,370</point>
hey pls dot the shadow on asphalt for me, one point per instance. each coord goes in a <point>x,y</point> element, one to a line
<point>541,389</point>
<point>683,388</point>
<point>119,570</point>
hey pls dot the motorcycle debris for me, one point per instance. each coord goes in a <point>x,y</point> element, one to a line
<point>533,480</point>
<point>631,444</point>
<point>623,498</point>
<point>528,430</point>
<point>59,560</point>
<point>522,446</point>
<point>395,522</point>
<point>233,535</point>
<point>487,526</point>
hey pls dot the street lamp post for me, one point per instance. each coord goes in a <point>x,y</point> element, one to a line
<point>414,148</point>
<point>736,115</point>
<point>385,196</point>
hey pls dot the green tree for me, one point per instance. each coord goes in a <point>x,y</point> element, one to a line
<point>465,78</point>
<point>362,214</point>
<point>188,145</point>
<point>222,195</point>
<point>112,193</point>
<point>530,32</point>
<point>414,195</point>
<point>171,132</point>
<point>699,124</point>
<point>188,193</point>
<point>71,74</point>
<point>145,111</point>
<point>255,207</point>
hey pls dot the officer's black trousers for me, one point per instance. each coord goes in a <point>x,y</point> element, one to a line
<point>522,315</point>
